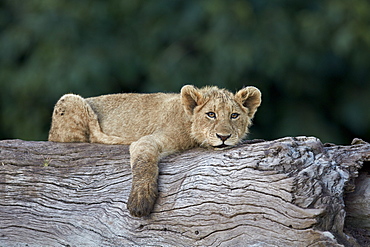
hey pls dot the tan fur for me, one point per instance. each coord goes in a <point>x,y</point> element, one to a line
<point>155,125</point>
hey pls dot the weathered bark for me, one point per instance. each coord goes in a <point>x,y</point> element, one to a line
<point>287,192</point>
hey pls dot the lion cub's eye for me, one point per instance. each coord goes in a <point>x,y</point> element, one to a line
<point>234,115</point>
<point>211,114</point>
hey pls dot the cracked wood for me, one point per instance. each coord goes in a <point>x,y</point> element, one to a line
<point>286,192</point>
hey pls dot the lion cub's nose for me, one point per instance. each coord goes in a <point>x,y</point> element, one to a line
<point>222,137</point>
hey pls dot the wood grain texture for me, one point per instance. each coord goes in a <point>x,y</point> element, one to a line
<point>286,192</point>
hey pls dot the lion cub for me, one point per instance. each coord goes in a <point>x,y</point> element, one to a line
<point>155,125</point>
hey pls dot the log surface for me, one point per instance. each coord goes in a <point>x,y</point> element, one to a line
<point>286,192</point>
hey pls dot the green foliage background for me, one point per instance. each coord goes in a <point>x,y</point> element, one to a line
<point>311,59</point>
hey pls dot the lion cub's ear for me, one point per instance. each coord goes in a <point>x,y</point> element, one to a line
<point>190,98</point>
<point>249,97</point>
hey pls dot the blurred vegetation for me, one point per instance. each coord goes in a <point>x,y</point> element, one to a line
<point>311,59</point>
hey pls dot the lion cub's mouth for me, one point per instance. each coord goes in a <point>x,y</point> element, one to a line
<point>222,146</point>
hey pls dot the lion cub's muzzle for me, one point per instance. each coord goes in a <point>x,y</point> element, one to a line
<point>223,138</point>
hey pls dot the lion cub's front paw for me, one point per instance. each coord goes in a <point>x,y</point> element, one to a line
<point>141,200</point>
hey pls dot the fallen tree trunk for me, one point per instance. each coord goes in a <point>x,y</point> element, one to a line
<point>287,192</point>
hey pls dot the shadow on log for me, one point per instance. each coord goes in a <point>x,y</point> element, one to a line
<point>286,192</point>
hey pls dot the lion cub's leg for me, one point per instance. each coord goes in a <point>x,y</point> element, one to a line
<point>74,121</point>
<point>145,154</point>
<point>69,121</point>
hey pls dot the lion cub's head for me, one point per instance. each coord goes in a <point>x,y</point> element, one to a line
<point>219,118</point>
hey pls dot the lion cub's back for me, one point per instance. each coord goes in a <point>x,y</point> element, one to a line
<point>132,116</point>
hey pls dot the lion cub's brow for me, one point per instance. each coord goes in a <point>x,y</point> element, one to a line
<point>223,107</point>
